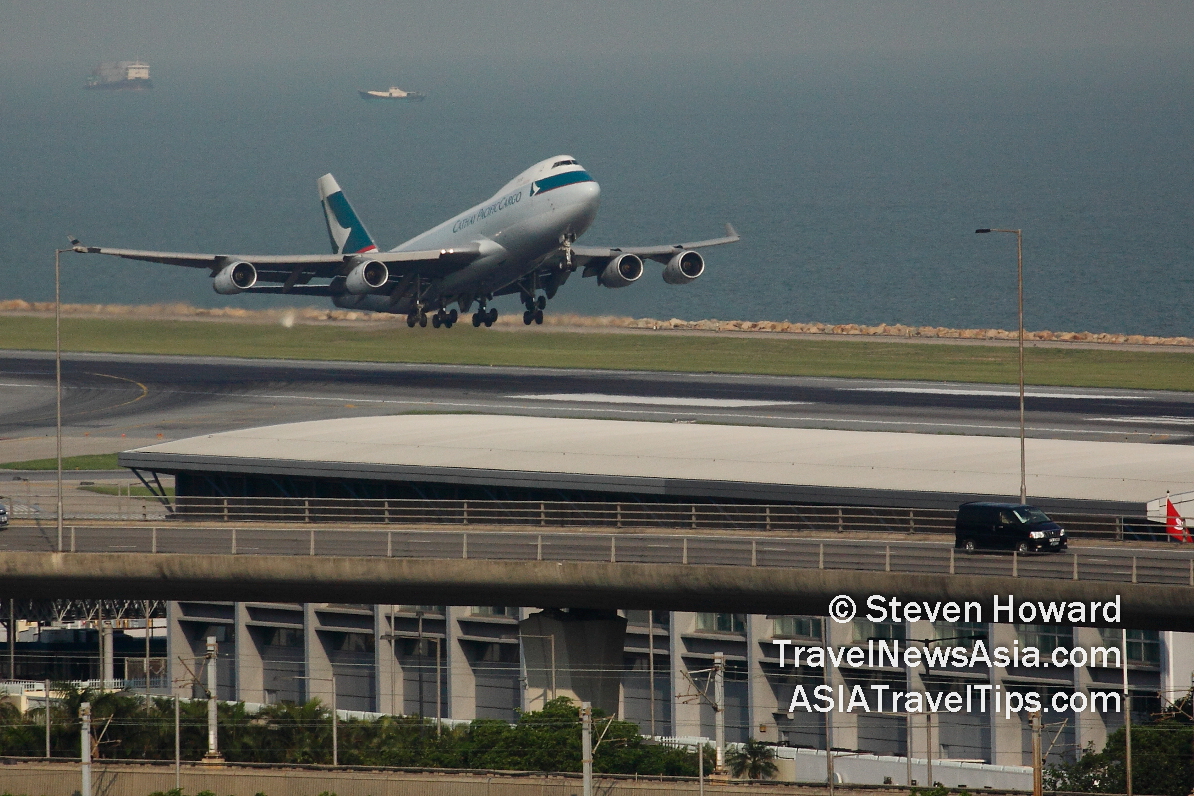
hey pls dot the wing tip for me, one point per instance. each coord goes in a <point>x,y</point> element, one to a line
<point>731,232</point>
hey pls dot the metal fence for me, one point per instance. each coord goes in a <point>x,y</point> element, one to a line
<point>758,518</point>
<point>1169,567</point>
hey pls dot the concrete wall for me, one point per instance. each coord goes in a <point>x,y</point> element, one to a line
<point>63,779</point>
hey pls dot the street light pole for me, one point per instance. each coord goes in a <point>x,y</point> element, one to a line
<point>58,379</point>
<point>1020,309</point>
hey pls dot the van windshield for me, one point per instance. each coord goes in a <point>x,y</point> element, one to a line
<point>1031,516</point>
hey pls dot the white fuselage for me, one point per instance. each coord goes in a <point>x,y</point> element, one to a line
<point>527,219</point>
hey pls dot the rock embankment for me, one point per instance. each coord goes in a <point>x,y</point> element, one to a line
<point>313,315</point>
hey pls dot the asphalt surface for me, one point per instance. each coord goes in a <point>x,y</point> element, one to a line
<point>144,396</point>
<point>1094,562</point>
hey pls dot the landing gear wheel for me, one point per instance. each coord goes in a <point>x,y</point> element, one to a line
<point>969,546</point>
<point>453,316</point>
<point>541,303</point>
<point>539,317</point>
<point>411,320</point>
<point>527,317</point>
<point>477,319</point>
<point>490,317</point>
<point>423,320</point>
<point>436,320</point>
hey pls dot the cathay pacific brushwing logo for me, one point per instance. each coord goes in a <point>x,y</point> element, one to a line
<point>559,181</point>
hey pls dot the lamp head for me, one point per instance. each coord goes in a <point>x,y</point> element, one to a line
<point>981,231</point>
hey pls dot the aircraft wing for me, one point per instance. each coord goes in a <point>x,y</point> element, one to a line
<point>658,253</point>
<point>297,269</point>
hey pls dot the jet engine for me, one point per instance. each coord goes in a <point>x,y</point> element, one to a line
<point>683,268</point>
<point>621,271</point>
<point>366,277</point>
<point>234,278</point>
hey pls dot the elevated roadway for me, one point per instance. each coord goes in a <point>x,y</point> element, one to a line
<point>742,573</point>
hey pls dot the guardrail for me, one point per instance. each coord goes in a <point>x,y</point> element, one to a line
<point>1160,567</point>
<point>764,518</point>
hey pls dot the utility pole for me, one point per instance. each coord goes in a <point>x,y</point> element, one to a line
<point>419,651</point>
<point>701,767</point>
<point>719,711</point>
<point>85,747</point>
<point>177,743</point>
<point>335,733</point>
<point>586,746</point>
<point>1036,753</point>
<point>213,741</point>
<point>651,664</point>
<point>47,718</point>
<point>1127,718</point>
<point>929,747</point>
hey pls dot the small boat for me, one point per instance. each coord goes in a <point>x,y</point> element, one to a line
<point>393,93</point>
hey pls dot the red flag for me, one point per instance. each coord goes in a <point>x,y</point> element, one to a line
<point>1175,524</point>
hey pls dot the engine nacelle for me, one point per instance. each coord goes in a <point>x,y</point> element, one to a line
<point>234,278</point>
<point>621,271</point>
<point>683,268</point>
<point>366,277</point>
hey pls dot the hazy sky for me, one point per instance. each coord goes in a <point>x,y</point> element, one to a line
<point>202,30</point>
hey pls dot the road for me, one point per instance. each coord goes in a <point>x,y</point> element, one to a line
<point>144,396</point>
<point>742,574</point>
<point>1103,563</point>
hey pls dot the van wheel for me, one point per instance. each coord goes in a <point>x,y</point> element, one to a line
<point>1022,547</point>
<point>969,546</point>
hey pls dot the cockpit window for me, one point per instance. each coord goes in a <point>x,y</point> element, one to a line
<point>559,163</point>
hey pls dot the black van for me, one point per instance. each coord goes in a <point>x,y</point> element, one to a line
<point>1006,526</point>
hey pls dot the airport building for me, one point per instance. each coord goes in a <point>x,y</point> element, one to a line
<point>653,667</point>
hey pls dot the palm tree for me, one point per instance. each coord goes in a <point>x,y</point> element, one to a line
<point>753,760</point>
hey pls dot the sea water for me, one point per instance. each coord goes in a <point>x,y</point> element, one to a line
<point>856,182</point>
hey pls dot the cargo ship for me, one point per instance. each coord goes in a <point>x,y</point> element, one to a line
<point>132,75</point>
<point>393,93</point>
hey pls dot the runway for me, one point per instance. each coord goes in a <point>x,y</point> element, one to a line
<point>109,395</point>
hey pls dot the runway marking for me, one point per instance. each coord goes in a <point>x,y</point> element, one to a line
<point>654,400</point>
<point>995,393</point>
<point>4,384</point>
<point>1164,419</point>
<point>797,418</point>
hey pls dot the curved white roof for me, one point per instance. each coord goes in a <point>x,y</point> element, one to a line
<point>668,458</point>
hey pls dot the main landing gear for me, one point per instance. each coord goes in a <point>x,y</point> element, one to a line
<point>485,316</point>
<point>534,309</point>
<point>442,318</point>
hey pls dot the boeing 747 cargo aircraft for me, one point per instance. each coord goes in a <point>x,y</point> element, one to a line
<point>522,240</point>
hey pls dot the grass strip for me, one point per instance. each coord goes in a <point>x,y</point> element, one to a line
<point>96,461</point>
<point>463,345</point>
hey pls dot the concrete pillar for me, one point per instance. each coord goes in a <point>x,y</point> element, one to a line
<point>588,648</point>
<point>107,667</point>
<point>686,709</point>
<point>177,647</point>
<point>1177,664</point>
<point>462,683</point>
<point>317,667</point>
<point>248,669</point>
<point>1007,742</point>
<point>761,700</point>
<point>1089,727</point>
<point>843,727</point>
<point>387,688</point>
